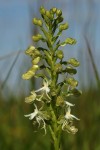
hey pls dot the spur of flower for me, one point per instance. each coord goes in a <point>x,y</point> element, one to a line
<point>40,117</point>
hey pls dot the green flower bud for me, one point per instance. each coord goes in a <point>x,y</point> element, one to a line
<point>30,50</point>
<point>49,15</point>
<point>37,53</point>
<point>59,12</point>
<point>63,26</point>
<point>36,60</point>
<point>35,67</point>
<point>58,67</point>
<point>30,98</point>
<point>37,22</point>
<point>54,10</point>
<point>72,82</point>
<point>70,41</point>
<point>74,62</point>
<point>42,10</point>
<point>60,101</point>
<point>28,75</point>
<point>37,38</point>
<point>59,54</point>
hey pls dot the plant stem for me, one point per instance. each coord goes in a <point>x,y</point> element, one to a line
<point>55,130</point>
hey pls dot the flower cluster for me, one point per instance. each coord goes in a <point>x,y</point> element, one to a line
<point>53,95</point>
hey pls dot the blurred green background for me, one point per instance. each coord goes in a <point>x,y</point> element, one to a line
<point>16,29</point>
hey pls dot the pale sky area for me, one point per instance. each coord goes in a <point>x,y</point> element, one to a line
<point>16,30</point>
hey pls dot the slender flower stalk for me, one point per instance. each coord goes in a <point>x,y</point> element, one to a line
<point>55,113</point>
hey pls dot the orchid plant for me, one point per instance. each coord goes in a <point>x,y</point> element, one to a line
<point>48,64</point>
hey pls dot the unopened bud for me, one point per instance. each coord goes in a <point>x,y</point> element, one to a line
<point>60,54</point>
<point>49,15</point>
<point>37,22</point>
<point>54,10</point>
<point>70,41</point>
<point>59,12</point>
<point>30,50</point>
<point>37,37</point>
<point>36,60</point>
<point>58,67</point>
<point>42,10</point>
<point>63,26</point>
<point>71,81</point>
<point>74,62</point>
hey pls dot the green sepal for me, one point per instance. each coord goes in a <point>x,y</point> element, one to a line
<point>72,82</point>
<point>63,26</point>
<point>73,62</point>
<point>70,41</point>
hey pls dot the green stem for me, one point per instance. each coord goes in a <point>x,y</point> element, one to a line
<point>55,130</point>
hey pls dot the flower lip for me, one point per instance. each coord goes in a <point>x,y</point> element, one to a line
<point>45,88</point>
<point>69,115</point>
<point>34,114</point>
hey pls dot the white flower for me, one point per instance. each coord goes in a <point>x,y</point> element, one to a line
<point>37,114</point>
<point>45,89</point>
<point>34,114</point>
<point>69,104</point>
<point>69,115</point>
